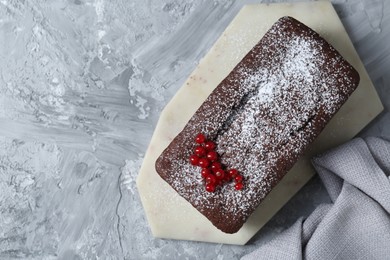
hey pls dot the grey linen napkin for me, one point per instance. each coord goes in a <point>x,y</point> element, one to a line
<point>357,223</point>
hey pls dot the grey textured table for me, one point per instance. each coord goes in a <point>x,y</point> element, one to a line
<point>82,84</point>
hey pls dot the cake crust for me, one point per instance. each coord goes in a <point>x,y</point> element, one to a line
<point>262,117</point>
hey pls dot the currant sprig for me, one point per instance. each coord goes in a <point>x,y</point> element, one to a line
<point>212,171</point>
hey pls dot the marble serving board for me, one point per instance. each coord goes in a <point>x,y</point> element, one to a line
<point>168,214</point>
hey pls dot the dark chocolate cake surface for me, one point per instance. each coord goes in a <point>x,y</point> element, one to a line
<point>262,117</point>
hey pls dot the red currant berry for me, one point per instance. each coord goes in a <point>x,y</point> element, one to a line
<point>239,186</point>
<point>200,138</point>
<point>210,187</point>
<point>212,156</point>
<point>215,166</point>
<point>210,179</point>
<point>194,159</point>
<point>209,145</point>
<point>204,163</point>
<point>200,151</point>
<point>238,178</point>
<point>220,174</point>
<point>233,173</point>
<point>205,172</point>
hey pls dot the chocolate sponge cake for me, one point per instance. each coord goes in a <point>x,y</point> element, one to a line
<point>261,117</point>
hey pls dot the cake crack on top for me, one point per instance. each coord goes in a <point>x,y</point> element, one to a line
<point>262,117</point>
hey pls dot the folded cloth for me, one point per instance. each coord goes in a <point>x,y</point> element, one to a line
<point>357,223</point>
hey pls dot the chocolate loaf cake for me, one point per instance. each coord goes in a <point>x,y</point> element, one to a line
<point>261,117</point>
